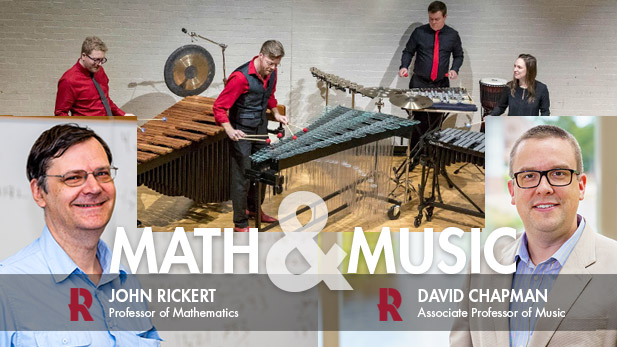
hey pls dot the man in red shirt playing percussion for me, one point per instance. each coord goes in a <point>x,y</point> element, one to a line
<point>248,94</point>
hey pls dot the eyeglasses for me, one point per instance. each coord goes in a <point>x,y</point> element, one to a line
<point>78,177</point>
<point>556,177</point>
<point>99,61</point>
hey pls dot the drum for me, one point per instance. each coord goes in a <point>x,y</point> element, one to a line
<point>490,92</point>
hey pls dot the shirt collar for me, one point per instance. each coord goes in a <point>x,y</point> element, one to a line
<point>440,30</point>
<point>85,71</point>
<point>253,71</point>
<point>82,69</point>
<point>562,254</point>
<point>61,265</point>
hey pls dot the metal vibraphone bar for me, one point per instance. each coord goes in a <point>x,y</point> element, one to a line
<point>185,155</point>
<point>442,149</point>
<point>336,130</point>
<point>446,99</point>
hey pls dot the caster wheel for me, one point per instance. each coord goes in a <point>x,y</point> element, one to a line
<point>394,212</point>
<point>278,189</point>
<point>429,214</point>
<point>417,221</point>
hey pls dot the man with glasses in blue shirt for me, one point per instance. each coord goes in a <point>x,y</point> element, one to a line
<point>83,90</point>
<point>547,183</point>
<point>72,179</point>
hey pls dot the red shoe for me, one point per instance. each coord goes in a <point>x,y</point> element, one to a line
<point>264,217</point>
<point>241,230</point>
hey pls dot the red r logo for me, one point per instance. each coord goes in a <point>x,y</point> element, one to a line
<point>385,307</point>
<point>76,308</point>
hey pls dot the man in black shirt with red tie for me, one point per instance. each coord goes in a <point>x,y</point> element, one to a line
<point>432,44</point>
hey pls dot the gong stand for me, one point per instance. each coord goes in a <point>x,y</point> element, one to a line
<point>223,46</point>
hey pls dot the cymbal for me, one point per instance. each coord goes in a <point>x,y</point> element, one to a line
<point>405,101</point>
<point>375,92</point>
<point>189,70</point>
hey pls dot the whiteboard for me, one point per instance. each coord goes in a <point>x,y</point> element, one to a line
<point>21,219</point>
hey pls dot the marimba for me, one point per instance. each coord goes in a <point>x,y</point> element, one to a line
<point>186,155</point>
<point>441,149</point>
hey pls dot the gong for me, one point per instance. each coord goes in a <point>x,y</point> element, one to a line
<point>189,70</point>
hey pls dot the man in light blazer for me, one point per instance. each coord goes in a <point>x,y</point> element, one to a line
<point>558,251</point>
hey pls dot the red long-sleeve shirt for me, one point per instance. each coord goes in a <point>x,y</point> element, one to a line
<point>237,85</point>
<point>77,93</point>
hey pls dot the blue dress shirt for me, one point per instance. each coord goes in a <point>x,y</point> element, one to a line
<point>541,276</point>
<point>35,287</point>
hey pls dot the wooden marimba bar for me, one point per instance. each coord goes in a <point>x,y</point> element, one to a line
<point>185,155</point>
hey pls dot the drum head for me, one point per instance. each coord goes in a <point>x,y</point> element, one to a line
<point>189,70</point>
<point>493,82</point>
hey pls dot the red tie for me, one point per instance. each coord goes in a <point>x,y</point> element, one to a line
<point>435,57</point>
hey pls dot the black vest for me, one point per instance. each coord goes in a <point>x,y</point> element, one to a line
<point>250,108</point>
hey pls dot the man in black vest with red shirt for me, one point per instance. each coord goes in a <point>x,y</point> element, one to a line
<point>248,94</point>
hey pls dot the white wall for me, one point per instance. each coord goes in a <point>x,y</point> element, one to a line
<point>360,40</point>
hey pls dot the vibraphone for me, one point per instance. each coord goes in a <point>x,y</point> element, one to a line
<point>337,130</point>
<point>186,155</point>
<point>442,149</point>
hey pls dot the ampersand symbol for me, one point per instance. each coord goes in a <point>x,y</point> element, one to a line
<point>323,267</point>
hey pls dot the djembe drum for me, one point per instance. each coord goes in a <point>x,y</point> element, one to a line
<point>490,93</point>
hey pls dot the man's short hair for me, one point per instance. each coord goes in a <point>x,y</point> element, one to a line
<point>92,43</point>
<point>52,144</point>
<point>548,131</point>
<point>272,49</point>
<point>437,6</point>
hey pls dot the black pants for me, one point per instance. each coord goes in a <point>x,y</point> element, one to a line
<point>428,120</point>
<point>243,190</point>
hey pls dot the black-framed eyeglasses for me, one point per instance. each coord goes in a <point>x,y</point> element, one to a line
<point>78,177</point>
<point>556,177</point>
<point>100,61</point>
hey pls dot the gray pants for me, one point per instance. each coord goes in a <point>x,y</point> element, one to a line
<point>243,190</point>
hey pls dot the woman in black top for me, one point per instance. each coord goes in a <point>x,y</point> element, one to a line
<point>525,96</point>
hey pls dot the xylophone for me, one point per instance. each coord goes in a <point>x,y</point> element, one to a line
<point>186,154</point>
<point>336,130</point>
<point>444,148</point>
